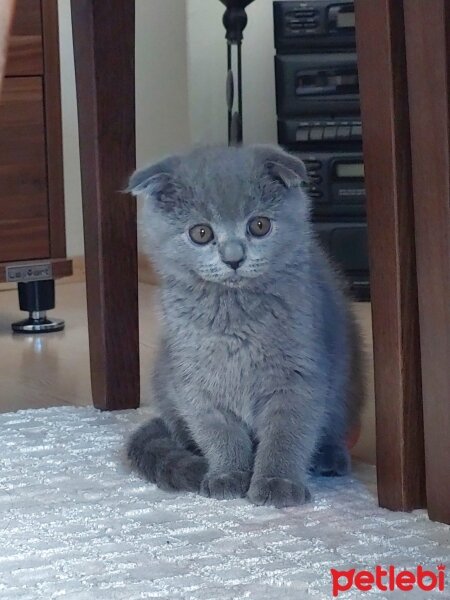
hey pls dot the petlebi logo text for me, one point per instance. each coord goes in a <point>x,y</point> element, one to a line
<point>388,579</point>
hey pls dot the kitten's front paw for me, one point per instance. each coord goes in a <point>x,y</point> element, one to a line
<point>225,486</point>
<point>278,492</point>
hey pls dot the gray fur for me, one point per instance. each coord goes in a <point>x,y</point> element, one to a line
<point>257,378</point>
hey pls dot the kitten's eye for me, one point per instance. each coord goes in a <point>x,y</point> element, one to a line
<point>259,226</point>
<point>201,234</point>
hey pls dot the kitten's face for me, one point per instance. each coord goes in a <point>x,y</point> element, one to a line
<point>233,249</point>
<point>220,217</point>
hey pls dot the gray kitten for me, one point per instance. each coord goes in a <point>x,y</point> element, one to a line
<point>257,380</point>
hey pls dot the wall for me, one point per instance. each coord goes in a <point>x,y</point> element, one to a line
<point>161,78</point>
<point>162,117</point>
<point>72,185</point>
<point>207,72</point>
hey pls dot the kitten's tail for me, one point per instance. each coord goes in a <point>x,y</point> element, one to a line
<point>159,458</point>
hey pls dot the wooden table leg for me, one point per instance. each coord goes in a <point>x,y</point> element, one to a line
<point>103,33</point>
<point>384,105</point>
<point>427,24</point>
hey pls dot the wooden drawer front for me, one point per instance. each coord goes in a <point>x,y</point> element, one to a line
<point>24,228</point>
<point>25,54</point>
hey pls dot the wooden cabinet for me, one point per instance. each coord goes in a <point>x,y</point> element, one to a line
<point>31,178</point>
<point>24,215</point>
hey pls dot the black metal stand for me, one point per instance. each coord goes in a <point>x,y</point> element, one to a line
<point>36,297</point>
<point>234,21</point>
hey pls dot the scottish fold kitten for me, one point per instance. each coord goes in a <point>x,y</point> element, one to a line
<point>257,379</point>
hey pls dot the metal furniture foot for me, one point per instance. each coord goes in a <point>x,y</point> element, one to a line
<point>36,297</point>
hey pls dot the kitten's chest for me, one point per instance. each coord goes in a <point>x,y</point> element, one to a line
<point>231,352</point>
<point>227,367</point>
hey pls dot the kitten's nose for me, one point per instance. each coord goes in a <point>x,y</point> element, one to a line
<point>234,264</point>
<point>232,253</point>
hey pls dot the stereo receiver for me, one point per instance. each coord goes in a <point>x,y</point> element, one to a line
<point>317,131</point>
<point>346,243</point>
<point>314,26</point>
<point>316,84</point>
<point>335,183</point>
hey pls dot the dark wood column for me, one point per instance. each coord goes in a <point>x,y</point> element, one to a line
<point>387,158</point>
<point>103,33</point>
<point>427,24</point>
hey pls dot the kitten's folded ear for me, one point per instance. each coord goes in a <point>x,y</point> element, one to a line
<point>281,166</point>
<point>155,181</point>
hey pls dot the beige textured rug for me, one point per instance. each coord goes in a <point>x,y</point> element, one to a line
<point>76,524</point>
